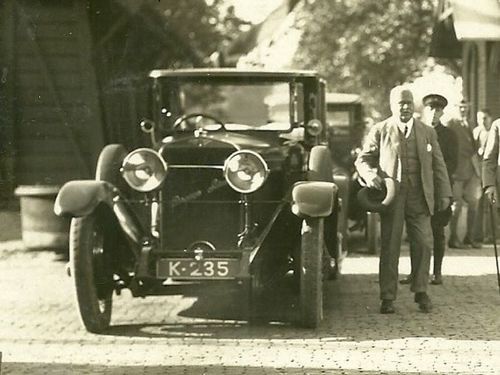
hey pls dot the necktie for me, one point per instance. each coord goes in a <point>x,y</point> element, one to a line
<point>406,131</point>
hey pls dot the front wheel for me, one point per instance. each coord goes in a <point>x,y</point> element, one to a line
<point>90,263</point>
<point>310,272</point>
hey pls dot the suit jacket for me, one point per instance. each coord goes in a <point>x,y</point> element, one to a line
<point>469,163</point>
<point>491,158</point>
<point>449,148</point>
<point>480,134</point>
<point>381,155</point>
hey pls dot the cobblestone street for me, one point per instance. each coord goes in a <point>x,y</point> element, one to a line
<point>40,332</point>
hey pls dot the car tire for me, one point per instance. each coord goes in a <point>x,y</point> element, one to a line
<point>91,271</point>
<point>373,232</point>
<point>310,272</point>
<point>252,306</point>
<point>330,270</point>
<point>335,243</point>
<point>109,163</point>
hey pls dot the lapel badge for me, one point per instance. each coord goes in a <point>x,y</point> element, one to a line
<point>429,147</point>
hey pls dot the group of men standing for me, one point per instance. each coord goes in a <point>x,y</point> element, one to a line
<point>438,171</point>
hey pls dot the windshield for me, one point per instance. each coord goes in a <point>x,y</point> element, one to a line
<point>262,106</point>
<point>339,121</point>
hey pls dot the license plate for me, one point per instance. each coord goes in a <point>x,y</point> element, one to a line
<point>198,269</point>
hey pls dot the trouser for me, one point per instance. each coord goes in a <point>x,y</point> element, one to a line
<point>483,228</point>
<point>411,208</point>
<point>439,243</point>
<point>465,192</point>
<point>439,248</point>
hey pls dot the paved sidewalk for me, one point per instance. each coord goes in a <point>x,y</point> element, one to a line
<point>40,332</point>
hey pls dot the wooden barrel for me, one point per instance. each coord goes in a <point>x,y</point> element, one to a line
<point>40,227</point>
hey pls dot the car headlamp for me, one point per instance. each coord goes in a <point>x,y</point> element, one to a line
<point>314,127</point>
<point>144,169</point>
<point>245,171</point>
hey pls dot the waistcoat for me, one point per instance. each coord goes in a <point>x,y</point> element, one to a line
<point>410,164</point>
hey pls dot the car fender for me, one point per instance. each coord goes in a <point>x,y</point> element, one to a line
<point>313,198</point>
<point>81,197</point>
<point>343,182</point>
<point>320,166</point>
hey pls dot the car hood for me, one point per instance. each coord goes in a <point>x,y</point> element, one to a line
<point>215,147</point>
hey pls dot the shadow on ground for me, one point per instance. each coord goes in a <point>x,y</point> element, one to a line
<point>65,368</point>
<point>350,314</point>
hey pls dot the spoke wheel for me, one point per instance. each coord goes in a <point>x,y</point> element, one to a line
<point>91,271</point>
<point>310,273</point>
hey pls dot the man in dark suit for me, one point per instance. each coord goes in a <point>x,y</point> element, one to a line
<point>405,149</point>
<point>491,161</point>
<point>434,105</point>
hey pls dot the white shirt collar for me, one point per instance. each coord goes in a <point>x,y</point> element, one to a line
<point>402,125</point>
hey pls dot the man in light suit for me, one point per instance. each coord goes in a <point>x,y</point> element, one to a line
<point>466,182</point>
<point>403,148</point>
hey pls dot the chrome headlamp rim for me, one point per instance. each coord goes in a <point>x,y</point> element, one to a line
<point>161,174</point>
<point>314,127</point>
<point>265,170</point>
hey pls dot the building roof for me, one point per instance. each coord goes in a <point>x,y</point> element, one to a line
<point>342,98</point>
<point>231,72</point>
<point>478,19</point>
<point>259,35</point>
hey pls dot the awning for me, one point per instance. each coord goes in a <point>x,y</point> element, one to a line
<point>476,19</point>
<point>462,20</point>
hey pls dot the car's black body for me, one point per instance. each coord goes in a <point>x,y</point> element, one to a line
<point>346,126</point>
<point>204,220</point>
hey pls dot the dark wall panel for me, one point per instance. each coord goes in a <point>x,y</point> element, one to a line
<point>57,120</point>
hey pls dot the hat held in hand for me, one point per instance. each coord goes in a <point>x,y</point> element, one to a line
<point>375,200</point>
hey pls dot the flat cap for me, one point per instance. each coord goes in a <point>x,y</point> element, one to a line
<point>435,100</point>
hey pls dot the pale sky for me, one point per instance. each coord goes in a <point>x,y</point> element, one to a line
<point>254,10</point>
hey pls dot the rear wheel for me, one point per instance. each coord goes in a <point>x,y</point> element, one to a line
<point>310,272</point>
<point>91,270</point>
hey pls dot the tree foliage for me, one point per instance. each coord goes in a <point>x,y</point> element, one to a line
<point>201,25</point>
<point>138,36</point>
<point>367,46</point>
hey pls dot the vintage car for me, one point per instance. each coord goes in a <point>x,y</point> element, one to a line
<point>346,128</point>
<point>233,186</point>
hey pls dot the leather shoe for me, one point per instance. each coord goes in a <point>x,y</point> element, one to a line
<point>488,240</point>
<point>424,302</point>
<point>407,280</point>
<point>475,244</point>
<point>437,279</point>
<point>458,245</point>
<point>387,307</point>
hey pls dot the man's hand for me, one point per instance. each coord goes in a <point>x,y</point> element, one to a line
<point>376,182</point>
<point>443,203</point>
<point>491,194</point>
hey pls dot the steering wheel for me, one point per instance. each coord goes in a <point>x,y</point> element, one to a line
<point>184,119</point>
